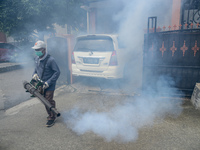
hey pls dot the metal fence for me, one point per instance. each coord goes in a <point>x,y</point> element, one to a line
<point>175,53</point>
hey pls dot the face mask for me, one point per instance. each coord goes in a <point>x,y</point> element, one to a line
<point>38,53</point>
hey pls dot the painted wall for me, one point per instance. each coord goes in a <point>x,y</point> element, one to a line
<point>104,15</point>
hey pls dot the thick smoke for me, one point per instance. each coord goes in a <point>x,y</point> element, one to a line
<point>122,122</point>
<point>132,24</point>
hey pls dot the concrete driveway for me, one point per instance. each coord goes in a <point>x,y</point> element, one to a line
<point>23,127</point>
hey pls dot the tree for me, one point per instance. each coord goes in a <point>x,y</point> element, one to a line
<point>21,18</point>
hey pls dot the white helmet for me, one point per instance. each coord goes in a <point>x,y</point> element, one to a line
<point>39,44</point>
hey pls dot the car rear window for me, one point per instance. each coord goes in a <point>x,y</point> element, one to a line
<point>94,44</point>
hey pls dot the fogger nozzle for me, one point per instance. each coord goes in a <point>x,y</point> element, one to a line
<point>31,89</point>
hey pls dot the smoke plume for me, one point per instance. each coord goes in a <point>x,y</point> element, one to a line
<point>122,122</point>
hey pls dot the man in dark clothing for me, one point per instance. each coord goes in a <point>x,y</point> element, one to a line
<point>46,70</point>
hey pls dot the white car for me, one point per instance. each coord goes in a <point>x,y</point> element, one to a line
<point>98,56</point>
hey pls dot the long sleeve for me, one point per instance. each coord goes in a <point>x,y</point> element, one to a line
<point>56,73</point>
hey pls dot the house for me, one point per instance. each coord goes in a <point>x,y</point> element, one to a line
<point>102,14</point>
<point>164,33</point>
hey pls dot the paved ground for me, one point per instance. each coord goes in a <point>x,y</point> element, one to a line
<point>111,87</point>
<point>85,125</point>
<point>12,76</point>
<point>23,127</point>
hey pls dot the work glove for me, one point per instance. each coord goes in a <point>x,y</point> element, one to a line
<point>35,77</point>
<point>45,86</point>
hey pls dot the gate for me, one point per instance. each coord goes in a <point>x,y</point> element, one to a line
<point>61,48</point>
<point>174,53</point>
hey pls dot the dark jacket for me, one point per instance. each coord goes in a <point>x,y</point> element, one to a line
<point>51,72</point>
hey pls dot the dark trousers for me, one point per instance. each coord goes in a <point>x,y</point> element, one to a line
<point>49,96</point>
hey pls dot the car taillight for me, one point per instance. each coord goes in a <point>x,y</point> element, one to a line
<point>113,59</point>
<point>73,59</point>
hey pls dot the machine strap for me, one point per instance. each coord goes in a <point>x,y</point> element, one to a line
<point>45,62</point>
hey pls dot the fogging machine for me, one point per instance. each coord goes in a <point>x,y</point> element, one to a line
<point>35,88</point>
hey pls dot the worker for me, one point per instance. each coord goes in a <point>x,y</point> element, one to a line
<point>48,71</point>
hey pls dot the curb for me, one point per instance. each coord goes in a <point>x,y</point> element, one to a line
<point>10,67</point>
